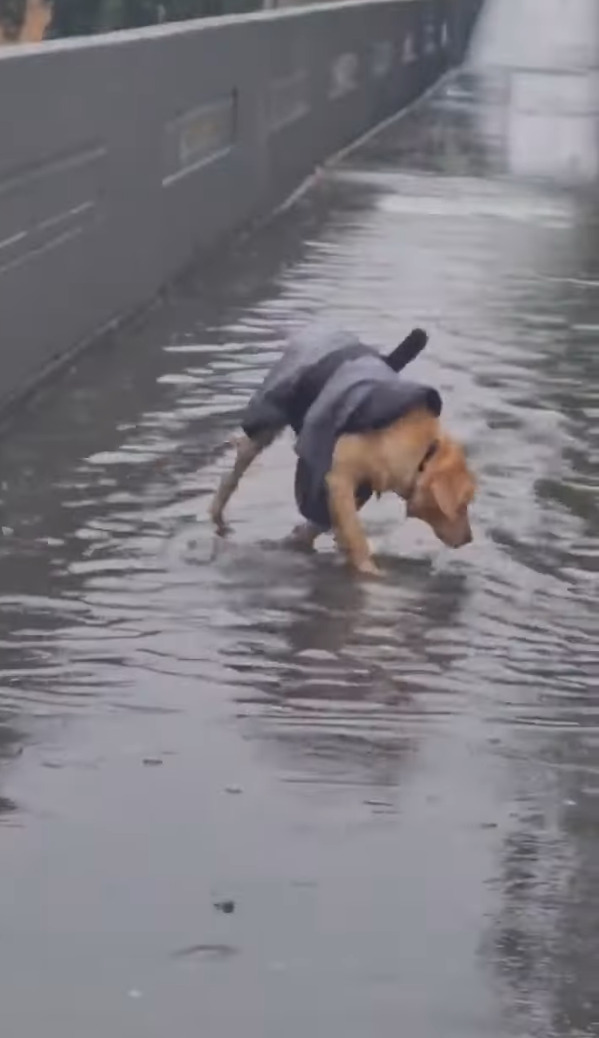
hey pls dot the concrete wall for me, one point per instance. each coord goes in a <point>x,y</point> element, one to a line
<point>121,155</point>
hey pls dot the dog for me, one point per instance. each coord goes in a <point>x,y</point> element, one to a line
<point>359,430</point>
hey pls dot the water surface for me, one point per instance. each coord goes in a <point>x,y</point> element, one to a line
<point>397,784</point>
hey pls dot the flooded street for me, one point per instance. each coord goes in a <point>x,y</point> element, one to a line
<point>242,792</point>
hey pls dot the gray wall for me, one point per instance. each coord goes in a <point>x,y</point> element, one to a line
<point>121,155</point>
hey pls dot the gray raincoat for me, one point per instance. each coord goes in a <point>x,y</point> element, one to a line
<point>325,384</point>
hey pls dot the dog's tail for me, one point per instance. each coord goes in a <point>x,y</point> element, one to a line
<point>407,350</point>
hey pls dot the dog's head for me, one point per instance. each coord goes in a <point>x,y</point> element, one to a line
<point>442,494</point>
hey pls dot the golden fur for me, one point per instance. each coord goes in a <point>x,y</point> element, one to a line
<point>388,460</point>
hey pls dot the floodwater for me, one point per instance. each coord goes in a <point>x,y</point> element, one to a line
<point>242,792</point>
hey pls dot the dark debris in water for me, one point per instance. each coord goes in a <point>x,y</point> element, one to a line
<point>227,906</point>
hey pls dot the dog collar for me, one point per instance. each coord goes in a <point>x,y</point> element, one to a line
<point>428,454</point>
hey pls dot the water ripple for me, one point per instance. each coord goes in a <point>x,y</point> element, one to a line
<point>458,673</point>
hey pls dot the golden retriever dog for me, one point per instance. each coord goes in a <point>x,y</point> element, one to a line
<point>360,453</point>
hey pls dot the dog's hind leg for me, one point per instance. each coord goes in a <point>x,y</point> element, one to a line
<point>303,536</point>
<point>248,449</point>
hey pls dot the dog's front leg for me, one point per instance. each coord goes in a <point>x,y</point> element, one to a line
<point>346,523</point>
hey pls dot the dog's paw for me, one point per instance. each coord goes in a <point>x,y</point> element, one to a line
<point>301,538</point>
<point>221,527</point>
<point>368,568</point>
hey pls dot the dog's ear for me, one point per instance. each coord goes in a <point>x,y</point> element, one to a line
<point>452,492</point>
<point>449,481</point>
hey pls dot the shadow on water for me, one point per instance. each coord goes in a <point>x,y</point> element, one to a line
<point>335,694</point>
<point>414,835</point>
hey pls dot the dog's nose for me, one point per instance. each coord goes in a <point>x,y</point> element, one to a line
<point>462,539</point>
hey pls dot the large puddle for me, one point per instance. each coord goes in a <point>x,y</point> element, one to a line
<point>396,784</point>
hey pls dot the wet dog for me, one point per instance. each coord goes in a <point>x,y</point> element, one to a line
<point>360,430</point>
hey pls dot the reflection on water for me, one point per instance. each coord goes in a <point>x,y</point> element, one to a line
<point>540,63</point>
<point>396,783</point>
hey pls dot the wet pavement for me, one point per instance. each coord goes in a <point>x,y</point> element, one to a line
<point>240,791</point>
